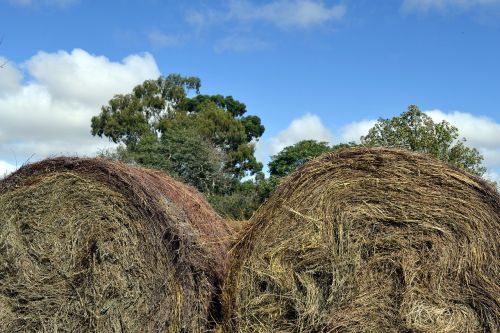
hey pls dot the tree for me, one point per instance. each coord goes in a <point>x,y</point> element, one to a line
<point>204,140</point>
<point>414,130</point>
<point>131,117</point>
<point>292,157</point>
<point>244,201</point>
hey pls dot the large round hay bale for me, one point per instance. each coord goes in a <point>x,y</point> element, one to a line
<point>89,245</point>
<point>370,240</point>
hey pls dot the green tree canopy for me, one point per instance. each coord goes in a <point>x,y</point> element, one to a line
<point>207,141</point>
<point>158,106</point>
<point>292,157</point>
<point>414,130</point>
<point>131,117</point>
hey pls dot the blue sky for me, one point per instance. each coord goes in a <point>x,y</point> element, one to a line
<point>309,68</point>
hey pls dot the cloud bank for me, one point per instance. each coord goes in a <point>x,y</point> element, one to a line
<point>307,127</point>
<point>481,133</point>
<point>47,102</point>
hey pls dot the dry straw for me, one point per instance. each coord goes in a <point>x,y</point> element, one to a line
<point>89,245</point>
<point>370,240</point>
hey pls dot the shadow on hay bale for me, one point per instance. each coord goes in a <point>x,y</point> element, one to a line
<point>89,245</point>
<point>370,240</point>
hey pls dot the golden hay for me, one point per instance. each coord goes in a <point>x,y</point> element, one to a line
<point>370,240</point>
<point>89,245</point>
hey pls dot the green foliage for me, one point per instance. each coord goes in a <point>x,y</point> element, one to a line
<point>247,197</point>
<point>414,130</point>
<point>198,103</point>
<point>206,141</point>
<point>157,105</point>
<point>131,117</point>
<point>186,155</point>
<point>292,157</point>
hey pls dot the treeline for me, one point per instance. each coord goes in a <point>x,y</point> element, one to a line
<point>208,141</point>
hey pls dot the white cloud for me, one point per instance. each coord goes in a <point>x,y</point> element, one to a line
<point>10,77</point>
<point>240,44</point>
<point>6,168</point>
<point>441,5</point>
<point>284,14</point>
<point>481,132</point>
<point>50,114</point>
<point>307,127</point>
<point>83,77</point>
<point>355,130</point>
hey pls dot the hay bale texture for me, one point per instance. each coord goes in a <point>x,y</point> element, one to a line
<point>370,240</point>
<point>89,245</point>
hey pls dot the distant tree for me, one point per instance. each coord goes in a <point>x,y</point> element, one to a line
<point>414,130</point>
<point>132,117</point>
<point>288,160</point>
<point>292,157</point>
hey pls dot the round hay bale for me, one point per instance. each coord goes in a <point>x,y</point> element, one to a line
<point>370,240</point>
<point>89,245</point>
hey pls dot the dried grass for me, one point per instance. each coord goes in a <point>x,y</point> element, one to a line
<point>89,245</point>
<point>370,240</point>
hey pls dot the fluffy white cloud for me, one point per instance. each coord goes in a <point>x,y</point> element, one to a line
<point>10,78</point>
<point>355,130</point>
<point>307,127</point>
<point>83,77</point>
<point>49,112</point>
<point>481,132</point>
<point>441,5</point>
<point>6,168</point>
<point>282,13</point>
